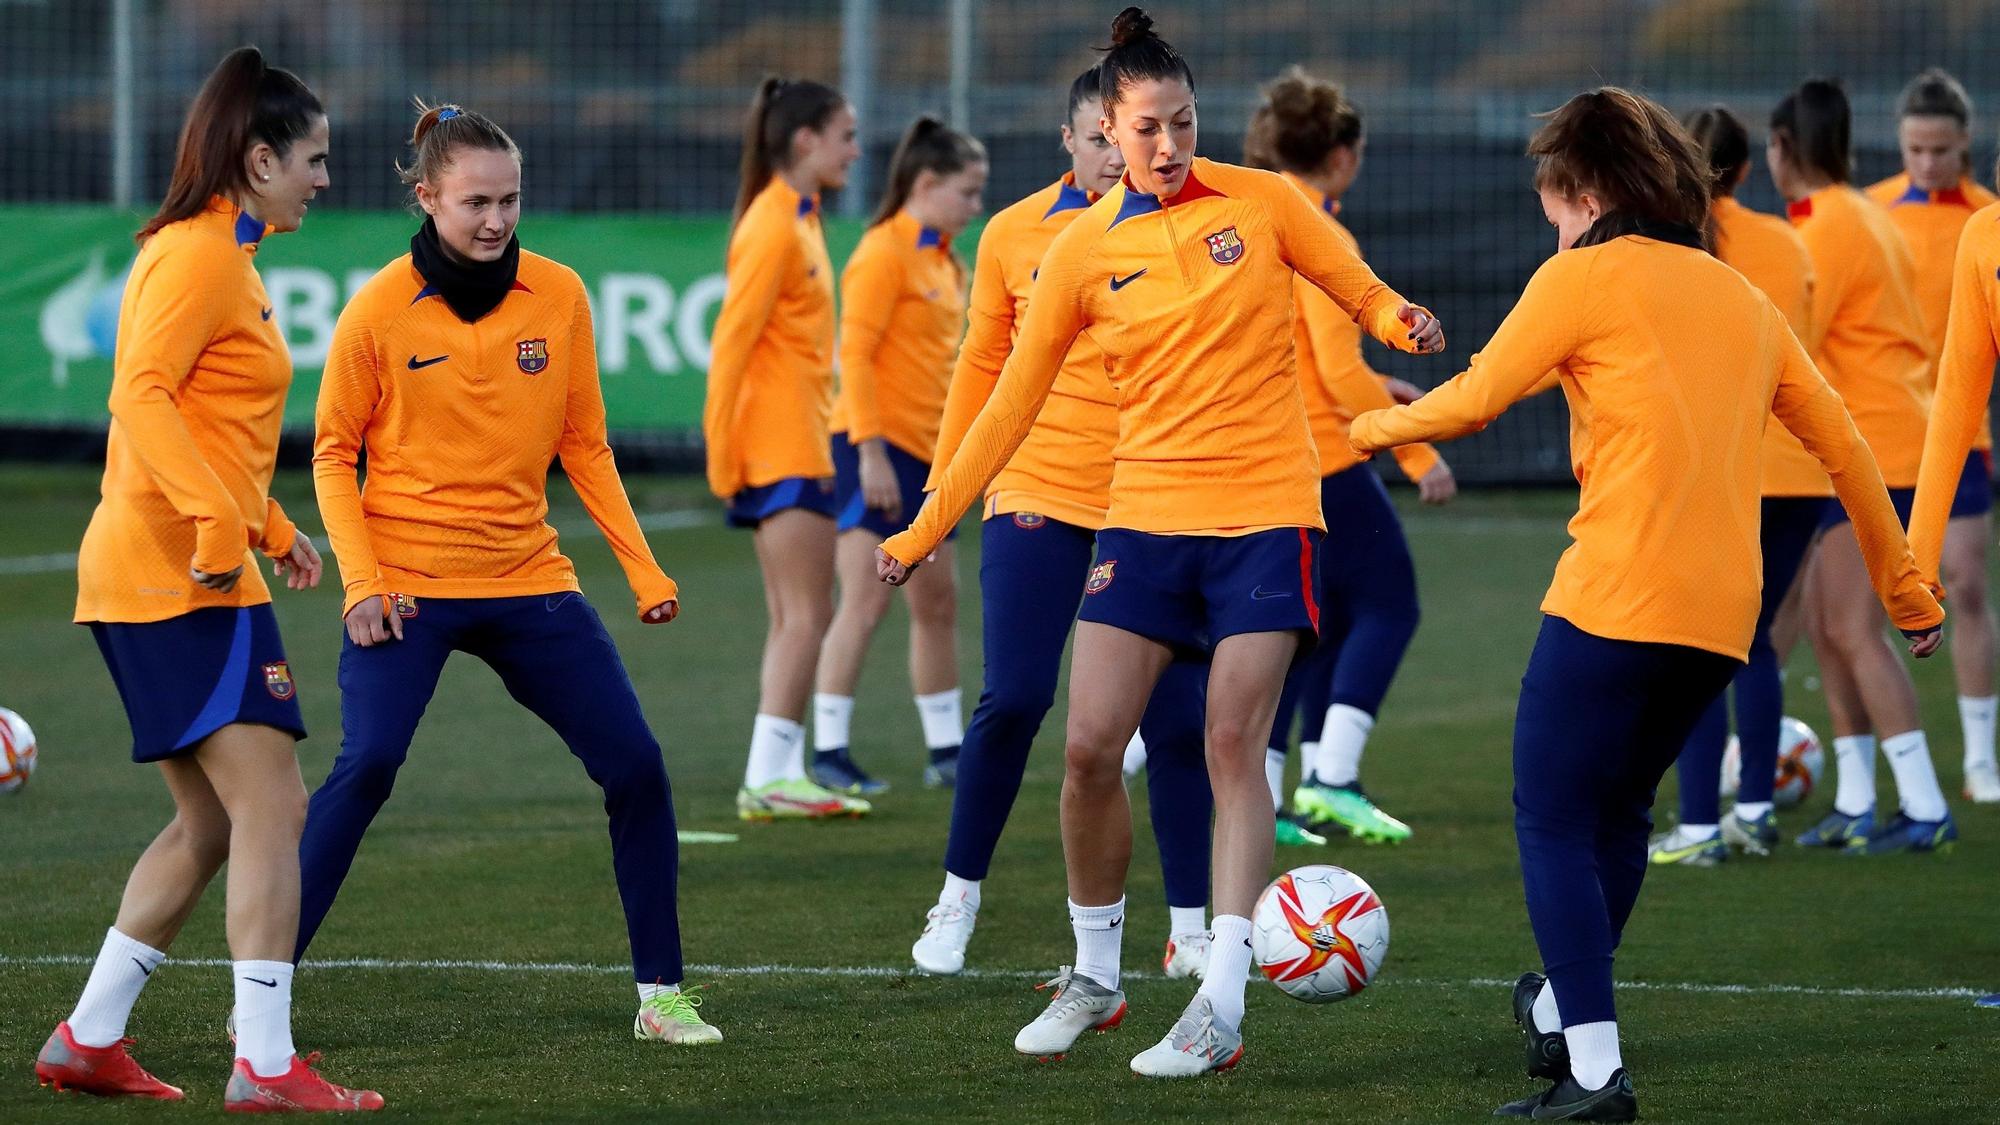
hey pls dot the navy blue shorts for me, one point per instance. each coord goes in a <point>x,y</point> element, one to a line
<point>1190,591</point>
<point>753,506</point>
<point>1975,486</point>
<point>911,472</point>
<point>187,677</point>
<point>1902,499</point>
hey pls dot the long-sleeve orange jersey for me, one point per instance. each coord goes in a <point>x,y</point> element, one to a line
<point>770,370</point>
<point>1673,364</point>
<point>1063,469</point>
<point>460,423</point>
<point>1765,249</point>
<point>197,394</point>
<point>1190,300</point>
<point>1930,223</point>
<point>1965,382</point>
<point>1873,347</point>
<point>1334,376</point>
<point>902,314</point>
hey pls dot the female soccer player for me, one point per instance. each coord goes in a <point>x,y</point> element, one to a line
<point>1182,275</point>
<point>1041,515</point>
<point>169,587</point>
<point>1672,364</point>
<point>1873,350</point>
<point>461,370</point>
<point>770,394</point>
<point>1930,203</point>
<point>1793,491</point>
<point>902,315</point>
<point>1307,129</point>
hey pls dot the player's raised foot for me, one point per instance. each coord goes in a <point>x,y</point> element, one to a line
<point>108,1072</point>
<point>1548,1051</point>
<point>1293,834</point>
<point>941,772</point>
<point>835,770</point>
<point>1982,783</point>
<point>1567,1101</point>
<point>1078,1004</point>
<point>1187,955</point>
<point>1990,1000</point>
<point>1198,1044</point>
<point>1751,837</point>
<point>674,1017</point>
<point>1349,807</point>
<point>1836,829</point>
<point>1902,834</point>
<point>947,931</point>
<point>300,1089</point>
<point>795,798</point>
<point>1683,848</point>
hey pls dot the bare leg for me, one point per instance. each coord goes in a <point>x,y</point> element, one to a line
<point>1112,677</point>
<point>795,551</point>
<point>864,599</point>
<point>177,867</point>
<point>254,772</point>
<point>933,600</point>
<point>1244,680</point>
<point>1964,567</point>
<point>1854,627</point>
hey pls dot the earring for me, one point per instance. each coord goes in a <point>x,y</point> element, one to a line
<point>263,177</point>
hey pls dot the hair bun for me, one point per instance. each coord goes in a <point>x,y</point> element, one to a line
<point>1130,26</point>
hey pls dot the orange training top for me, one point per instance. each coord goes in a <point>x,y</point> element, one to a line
<point>902,314</point>
<point>1190,300</point>
<point>1672,364</point>
<point>1765,249</point>
<point>1965,382</point>
<point>1873,347</point>
<point>1063,469</point>
<point>460,423</point>
<point>770,370</point>
<point>197,394</point>
<point>1930,222</point>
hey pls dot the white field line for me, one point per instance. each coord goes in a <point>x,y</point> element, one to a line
<point>881,971</point>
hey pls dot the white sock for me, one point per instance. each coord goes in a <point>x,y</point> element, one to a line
<point>1854,758</point>
<point>1274,776</point>
<point>1186,920</point>
<point>963,892</point>
<point>1228,968</point>
<point>831,717</point>
<point>648,991</point>
<point>1546,1015</point>
<point>943,719</point>
<point>1694,832</point>
<point>1308,760</point>
<point>1752,810</point>
<point>115,980</point>
<point>1340,744</point>
<point>264,1016</point>
<point>777,751</point>
<point>1916,780</point>
<point>1593,1053</point>
<point>1978,714</point>
<point>1100,933</point>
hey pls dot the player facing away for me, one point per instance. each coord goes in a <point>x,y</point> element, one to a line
<point>902,313</point>
<point>1874,351</point>
<point>1182,274</point>
<point>1931,203</point>
<point>1793,491</point>
<point>168,583</point>
<point>770,396</point>
<point>1041,515</point>
<point>1307,129</point>
<point>460,371</point>
<point>1672,364</point>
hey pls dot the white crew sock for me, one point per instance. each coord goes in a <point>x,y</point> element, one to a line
<point>122,967</point>
<point>943,718</point>
<point>1854,759</point>
<point>1546,1015</point>
<point>648,991</point>
<point>264,1016</point>
<point>1274,776</point>
<point>1593,1053</point>
<point>1186,920</point>
<point>1909,757</point>
<point>1100,933</point>
<point>777,751</point>
<point>1697,832</point>
<point>1977,715</point>
<point>1341,742</point>
<point>831,717</point>
<point>1228,968</point>
<point>1308,761</point>
<point>963,892</point>
<point>1747,811</point>
<point>1135,755</point>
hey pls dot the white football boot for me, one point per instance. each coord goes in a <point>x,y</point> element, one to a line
<point>1982,783</point>
<point>947,931</point>
<point>1079,1004</point>
<point>1187,955</point>
<point>1198,1044</point>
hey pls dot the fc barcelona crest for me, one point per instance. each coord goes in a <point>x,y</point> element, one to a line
<point>1029,521</point>
<point>405,605</point>
<point>533,355</point>
<point>278,680</point>
<point>1100,577</point>
<point>1225,246</point>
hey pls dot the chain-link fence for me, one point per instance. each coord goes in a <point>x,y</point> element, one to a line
<point>634,106</point>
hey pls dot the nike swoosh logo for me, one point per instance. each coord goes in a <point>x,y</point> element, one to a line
<point>272,983</point>
<point>142,966</point>
<point>1118,283</point>
<point>419,364</point>
<point>265,313</point>
<point>1262,595</point>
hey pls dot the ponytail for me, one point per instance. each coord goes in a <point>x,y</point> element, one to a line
<point>441,131</point>
<point>1724,140</point>
<point>928,145</point>
<point>1815,125</point>
<point>780,109</point>
<point>1138,54</point>
<point>1628,152</point>
<point>242,102</point>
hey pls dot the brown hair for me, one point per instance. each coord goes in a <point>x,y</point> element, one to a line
<point>442,130</point>
<point>928,145</point>
<point>1258,151</point>
<point>1724,140</point>
<point>1815,125</point>
<point>1627,151</point>
<point>1303,120</point>
<point>242,102</point>
<point>1935,93</point>
<point>1138,54</point>
<point>780,109</point>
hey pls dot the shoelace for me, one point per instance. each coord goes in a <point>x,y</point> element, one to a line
<point>1062,1002</point>
<point>944,915</point>
<point>679,1005</point>
<point>1202,1037</point>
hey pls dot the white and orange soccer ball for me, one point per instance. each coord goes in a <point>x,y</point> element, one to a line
<point>17,751</point>
<point>1801,763</point>
<point>1320,933</point>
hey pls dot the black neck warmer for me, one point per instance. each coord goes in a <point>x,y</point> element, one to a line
<point>472,289</point>
<point>1615,224</point>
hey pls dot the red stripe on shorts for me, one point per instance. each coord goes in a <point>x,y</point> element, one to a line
<point>1306,576</point>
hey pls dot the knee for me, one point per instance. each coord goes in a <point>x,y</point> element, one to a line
<point>1090,766</point>
<point>637,775</point>
<point>365,773</point>
<point>934,612</point>
<point>1017,704</point>
<point>204,838</point>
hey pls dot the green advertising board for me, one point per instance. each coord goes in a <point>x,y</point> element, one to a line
<point>655,284</point>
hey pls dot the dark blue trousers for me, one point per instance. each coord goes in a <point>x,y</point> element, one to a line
<point>1598,724</point>
<point>1368,607</point>
<point>555,657</point>
<point>1031,576</point>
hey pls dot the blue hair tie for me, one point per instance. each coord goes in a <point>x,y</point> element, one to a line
<point>449,112</point>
